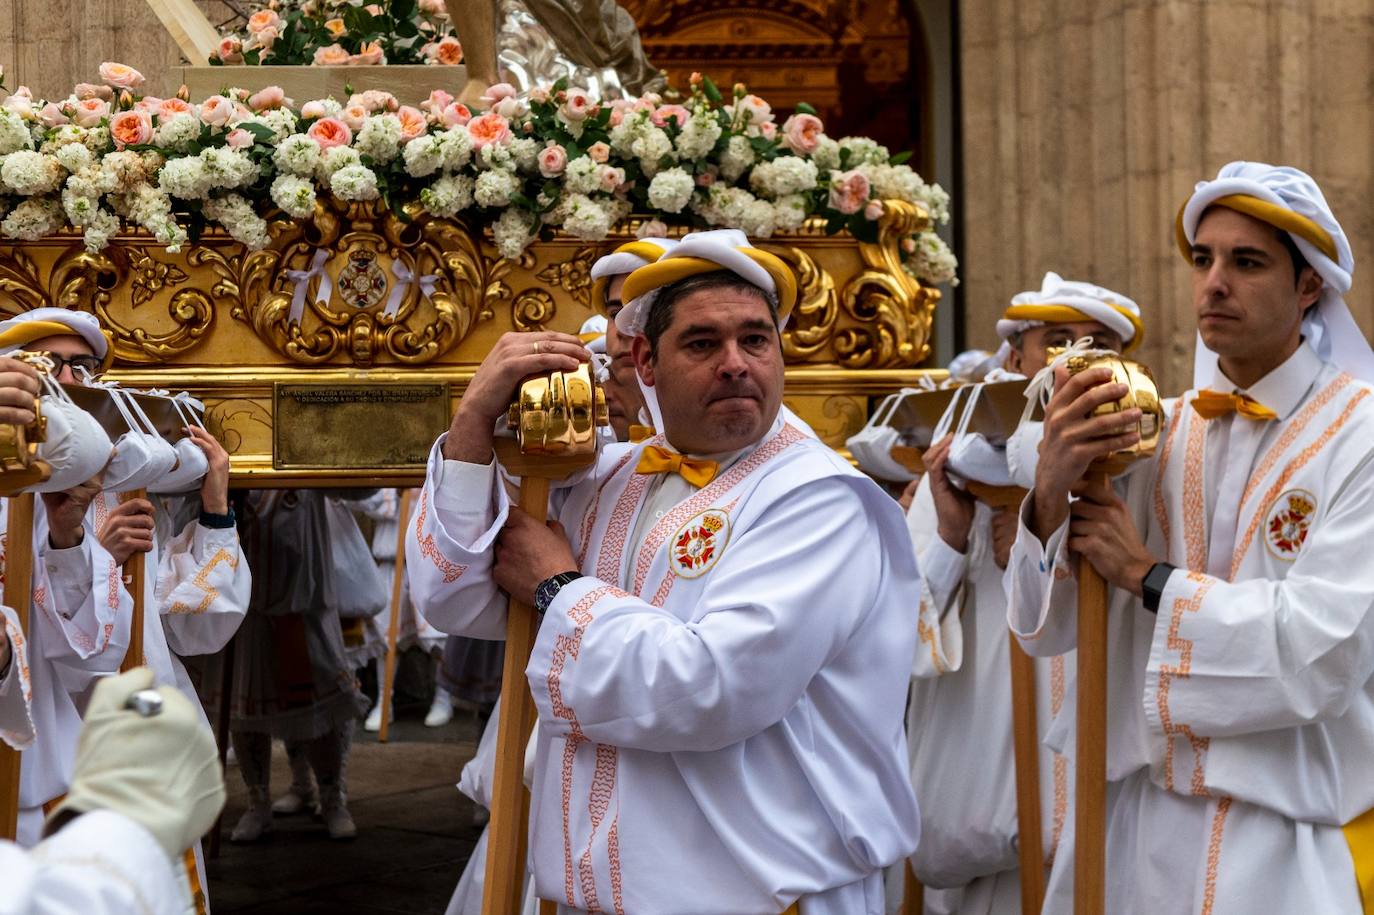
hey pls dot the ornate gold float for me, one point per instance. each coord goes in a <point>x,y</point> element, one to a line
<point>396,310</point>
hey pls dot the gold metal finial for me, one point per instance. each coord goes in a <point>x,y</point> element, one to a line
<point>1142,393</point>
<point>558,413</point>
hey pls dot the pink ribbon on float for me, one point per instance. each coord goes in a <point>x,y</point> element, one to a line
<point>301,279</point>
<point>404,278</point>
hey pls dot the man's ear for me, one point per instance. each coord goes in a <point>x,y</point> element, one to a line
<point>644,359</point>
<point>1310,285</point>
<point>1014,361</point>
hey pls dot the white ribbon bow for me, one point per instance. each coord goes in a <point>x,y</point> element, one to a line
<point>301,279</point>
<point>1041,387</point>
<point>404,277</point>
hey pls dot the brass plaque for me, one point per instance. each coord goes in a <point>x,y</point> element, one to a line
<point>356,426</point>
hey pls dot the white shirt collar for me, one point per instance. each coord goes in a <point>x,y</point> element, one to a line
<point>1284,388</point>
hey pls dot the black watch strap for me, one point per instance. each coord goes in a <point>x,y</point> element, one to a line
<point>216,520</point>
<point>1153,584</point>
<point>548,589</point>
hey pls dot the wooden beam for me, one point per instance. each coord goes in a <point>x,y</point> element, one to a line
<point>197,38</point>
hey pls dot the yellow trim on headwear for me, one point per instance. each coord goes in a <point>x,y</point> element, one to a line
<point>1065,314</point>
<point>591,336</point>
<point>670,270</point>
<point>639,248</point>
<point>22,333</point>
<point>1359,835</point>
<point>1279,217</point>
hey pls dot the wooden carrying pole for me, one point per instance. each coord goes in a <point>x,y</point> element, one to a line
<point>913,894</point>
<point>1026,746</point>
<point>393,627</point>
<point>134,568</point>
<point>1090,779</point>
<point>18,586</point>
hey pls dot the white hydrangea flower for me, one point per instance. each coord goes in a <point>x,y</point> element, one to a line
<point>379,138</point>
<point>586,218</point>
<point>933,262</point>
<point>447,196</point>
<point>738,156</point>
<point>826,155</point>
<point>895,182</point>
<point>354,182</point>
<point>64,136</point>
<point>631,128</point>
<point>783,176</point>
<point>80,208</point>
<point>935,199</point>
<point>699,135</point>
<point>281,121</point>
<point>670,190</point>
<point>295,195</point>
<point>495,156</point>
<point>74,157</point>
<point>122,170</point>
<point>456,146</point>
<point>758,219</point>
<point>31,173</point>
<point>724,206</point>
<point>297,154</point>
<point>495,188</point>
<point>511,232</point>
<point>147,204</point>
<point>185,178</point>
<point>524,152</point>
<point>335,158</point>
<point>178,132</point>
<point>789,212</point>
<point>14,133</point>
<point>651,147</point>
<point>97,140</point>
<point>423,156</point>
<point>582,176</point>
<point>238,218</point>
<point>863,151</point>
<point>33,219</point>
<point>91,181</point>
<point>99,227</point>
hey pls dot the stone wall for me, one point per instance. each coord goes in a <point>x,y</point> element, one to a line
<point>1087,122</point>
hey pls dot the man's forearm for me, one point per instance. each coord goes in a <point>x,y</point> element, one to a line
<point>468,441</point>
<point>1048,511</point>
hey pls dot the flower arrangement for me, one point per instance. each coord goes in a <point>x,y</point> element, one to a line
<point>326,33</point>
<point>107,157</point>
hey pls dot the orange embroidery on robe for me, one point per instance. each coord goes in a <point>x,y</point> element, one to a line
<point>202,581</point>
<point>589,516</point>
<point>1167,673</point>
<point>1290,433</point>
<point>1290,518</point>
<point>1195,500</point>
<point>927,637</point>
<point>1161,506</point>
<point>1061,765</point>
<point>612,556</point>
<point>1209,886</point>
<point>452,571</point>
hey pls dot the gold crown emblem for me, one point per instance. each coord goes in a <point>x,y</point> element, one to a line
<point>1300,506</point>
<point>712,523</point>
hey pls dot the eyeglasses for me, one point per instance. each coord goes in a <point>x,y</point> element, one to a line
<point>80,365</point>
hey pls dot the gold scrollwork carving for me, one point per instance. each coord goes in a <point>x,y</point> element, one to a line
<point>230,420</point>
<point>19,281</point>
<point>573,276</point>
<point>532,309</point>
<point>813,319</point>
<point>892,309</point>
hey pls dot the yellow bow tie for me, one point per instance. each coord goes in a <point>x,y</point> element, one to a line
<point>656,459</point>
<point>1211,404</point>
<point>639,433</point>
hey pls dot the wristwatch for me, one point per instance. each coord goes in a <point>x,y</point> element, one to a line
<point>548,589</point>
<point>1152,585</point>
<point>216,520</point>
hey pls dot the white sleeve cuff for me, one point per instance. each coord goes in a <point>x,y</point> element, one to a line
<point>943,566</point>
<point>464,490</point>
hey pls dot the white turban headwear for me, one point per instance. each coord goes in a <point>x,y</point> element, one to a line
<point>1061,301</point>
<point>26,327</point>
<point>1289,200</point>
<point>623,261</point>
<point>593,333</point>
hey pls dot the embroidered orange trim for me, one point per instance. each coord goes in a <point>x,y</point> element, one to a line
<point>1209,891</point>
<point>1195,500</point>
<point>202,581</point>
<point>598,803</point>
<point>1298,462</point>
<point>1167,673</point>
<point>927,637</point>
<point>1061,765</point>
<point>589,516</point>
<point>611,559</point>
<point>1161,506</point>
<point>452,571</point>
<point>1290,433</point>
<point>617,881</point>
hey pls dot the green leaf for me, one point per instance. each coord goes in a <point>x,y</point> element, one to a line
<point>260,132</point>
<point>712,93</point>
<point>803,108</point>
<point>862,228</point>
<point>900,159</point>
<point>253,57</point>
<point>844,157</point>
<point>835,223</point>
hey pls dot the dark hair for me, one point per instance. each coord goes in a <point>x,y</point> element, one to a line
<point>661,311</point>
<point>1299,262</point>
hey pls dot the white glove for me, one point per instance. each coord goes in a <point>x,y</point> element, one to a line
<point>161,771</point>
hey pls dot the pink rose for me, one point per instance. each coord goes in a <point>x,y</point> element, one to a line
<point>577,105</point>
<point>331,56</point>
<point>52,116</point>
<point>455,114</point>
<point>873,210</point>
<point>21,105</point>
<point>539,95</point>
<point>238,138</point>
<point>374,9</point>
<point>370,55</point>
<point>434,8</point>
<point>610,178</point>
<point>412,123</point>
<point>131,128</point>
<point>909,245</point>
<point>148,103</point>
<point>754,110</point>
<point>552,161</point>
<point>848,191</point>
<point>91,90</point>
<point>706,179</point>
<point>488,129</point>
<point>769,130</point>
<point>263,19</point>
<point>446,52</point>
<point>438,100</point>
<point>266,99</point>
<point>652,98</point>
<point>89,112</point>
<point>335,27</point>
<point>265,39</point>
<point>652,228</point>
<point>314,109</point>
<point>217,110</point>
<point>663,113</point>
<point>600,152</point>
<point>230,50</point>
<point>330,132</point>
<point>120,76</point>
<point>375,100</point>
<point>354,115</point>
<point>171,107</point>
<point>802,133</point>
<point>499,91</point>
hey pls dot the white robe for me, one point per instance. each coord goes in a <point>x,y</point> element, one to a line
<point>98,864</point>
<point>1241,717</point>
<point>959,725</point>
<point>78,631</point>
<point>714,738</point>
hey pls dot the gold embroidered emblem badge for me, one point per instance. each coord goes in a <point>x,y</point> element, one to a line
<point>1289,519</point>
<point>698,544</point>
